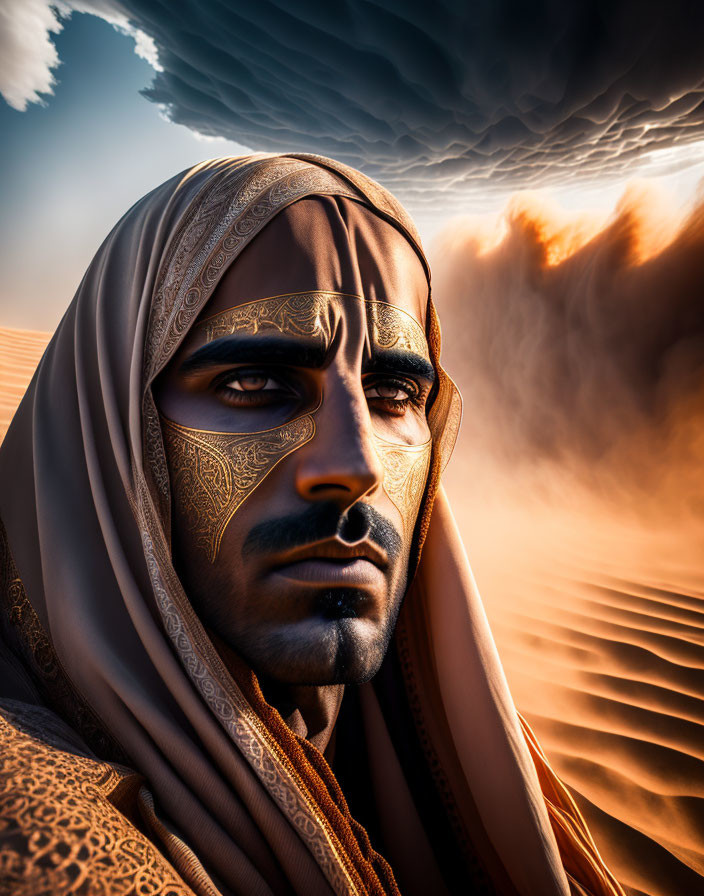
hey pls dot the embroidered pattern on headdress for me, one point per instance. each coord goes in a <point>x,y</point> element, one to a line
<point>59,832</point>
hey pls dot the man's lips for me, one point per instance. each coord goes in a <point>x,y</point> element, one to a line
<point>357,572</point>
<point>333,562</point>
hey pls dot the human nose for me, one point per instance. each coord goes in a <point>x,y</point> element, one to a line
<point>340,463</point>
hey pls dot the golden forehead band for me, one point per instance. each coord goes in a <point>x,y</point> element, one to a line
<point>305,314</point>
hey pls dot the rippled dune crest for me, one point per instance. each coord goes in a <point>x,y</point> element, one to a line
<point>600,627</point>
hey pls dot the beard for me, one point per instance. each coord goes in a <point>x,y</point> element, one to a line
<point>337,646</point>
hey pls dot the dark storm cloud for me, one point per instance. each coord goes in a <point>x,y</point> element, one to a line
<point>433,94</point>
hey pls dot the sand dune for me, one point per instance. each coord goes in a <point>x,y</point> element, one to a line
<point>20,351</point>
<point>600,626</point>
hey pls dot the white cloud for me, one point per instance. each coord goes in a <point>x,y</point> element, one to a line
<point>145,47</point>
<point>28,56</point>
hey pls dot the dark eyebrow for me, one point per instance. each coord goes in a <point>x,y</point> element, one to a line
<point>264,349</point>
<point>396,360</point>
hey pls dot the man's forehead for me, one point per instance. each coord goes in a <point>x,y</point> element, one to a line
<point>326,244</point>
<point>313,316</point>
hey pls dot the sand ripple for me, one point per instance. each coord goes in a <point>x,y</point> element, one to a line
<point>20,351</point>
<point>603,648</point>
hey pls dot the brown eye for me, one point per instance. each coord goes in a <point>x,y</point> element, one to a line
<point>251,382</point>
<point>258,387</point>
<point>390,391</point>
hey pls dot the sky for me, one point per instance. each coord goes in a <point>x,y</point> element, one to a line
<point>454,111</point>
<point>552,154</point>
<point>73,165</point>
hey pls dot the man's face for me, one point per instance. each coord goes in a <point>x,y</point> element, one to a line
<point>298,446</point>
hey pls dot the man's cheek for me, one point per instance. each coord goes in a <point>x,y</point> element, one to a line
<point>212,473</point>
<point>405,474</point>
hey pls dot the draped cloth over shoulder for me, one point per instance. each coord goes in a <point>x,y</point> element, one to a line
<point>97,627</point>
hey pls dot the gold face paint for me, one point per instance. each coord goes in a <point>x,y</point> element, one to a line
<point>394,328</point>
<point>212,473</point>
<point>297,314</point>
<point>309,314</point>
<point>405,472</point>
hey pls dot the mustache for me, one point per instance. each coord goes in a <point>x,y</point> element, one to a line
<point>320,522</point>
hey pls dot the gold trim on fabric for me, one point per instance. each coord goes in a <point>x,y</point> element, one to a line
<point>213,473</point>
<point>59,831</point>
<point>22,630</point>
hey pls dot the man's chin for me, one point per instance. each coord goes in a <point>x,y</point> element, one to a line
<point>325,650</point>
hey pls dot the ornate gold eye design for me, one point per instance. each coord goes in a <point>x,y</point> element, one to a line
<point>212,473</point>
<point>405,474</point>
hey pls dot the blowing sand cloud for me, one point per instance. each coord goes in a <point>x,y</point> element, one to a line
<point>580,346</point>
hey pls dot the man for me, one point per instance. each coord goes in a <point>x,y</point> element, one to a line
<point>244,651</point>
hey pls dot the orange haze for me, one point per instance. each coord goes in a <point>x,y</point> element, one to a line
<point>578,345</point>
